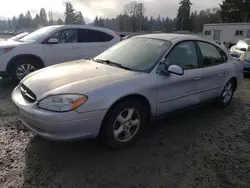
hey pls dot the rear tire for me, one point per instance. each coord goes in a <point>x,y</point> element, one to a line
<point>22,67</point>
<point>124,124</point>
<point>227,94</point>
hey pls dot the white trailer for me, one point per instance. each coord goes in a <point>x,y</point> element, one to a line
<point>226,32</point>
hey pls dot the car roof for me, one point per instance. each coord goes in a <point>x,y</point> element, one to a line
<point>102,29</point>
<point>176,38</point>
<point>171,37</point>
<point>85,27</point>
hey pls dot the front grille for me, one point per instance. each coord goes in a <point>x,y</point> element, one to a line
<point>27,94</point>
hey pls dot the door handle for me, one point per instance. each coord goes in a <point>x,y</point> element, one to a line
<point>197,78</point>
<point>74,48</point>
<point>226,71</point>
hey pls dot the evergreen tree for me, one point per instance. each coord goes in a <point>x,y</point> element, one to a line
<point>43,17</point>
<point>70,16</point>
<point>9,24</point>
<point>96,21</point>
<point>21,21</point>
<point>235,11</point>
<point>79,18</point>
<point>14,22</point>
<point>183,16</point>
<point>59,21</point>
<point>36,21</point>
<point>28,20</point>
<point>51,20</point>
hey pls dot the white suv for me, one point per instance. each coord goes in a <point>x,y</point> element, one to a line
<point>51,45</point>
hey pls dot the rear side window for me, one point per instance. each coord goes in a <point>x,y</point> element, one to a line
<point>89,35</point>
<point>210,54</point>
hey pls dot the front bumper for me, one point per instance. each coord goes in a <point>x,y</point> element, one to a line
<point>58,126</point>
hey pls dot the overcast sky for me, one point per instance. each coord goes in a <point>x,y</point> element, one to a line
<point>104,8</point>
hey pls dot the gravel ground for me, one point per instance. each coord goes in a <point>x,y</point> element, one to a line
<point>205,147</point>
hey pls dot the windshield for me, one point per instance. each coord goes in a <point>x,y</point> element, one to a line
<point>17,37</point>
<point>139,54</point>
<point>36,35</point>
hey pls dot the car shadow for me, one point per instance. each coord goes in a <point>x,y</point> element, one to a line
<point>165,144</point>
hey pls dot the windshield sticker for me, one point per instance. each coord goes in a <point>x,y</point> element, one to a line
<point>157,42</point>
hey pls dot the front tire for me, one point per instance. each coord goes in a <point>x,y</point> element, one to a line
<point>22,67</point>
<point>227,94</point>
<point>124,124</point>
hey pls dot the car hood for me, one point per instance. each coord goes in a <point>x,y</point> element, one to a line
<point>73,77</point>
<point>9,43</point>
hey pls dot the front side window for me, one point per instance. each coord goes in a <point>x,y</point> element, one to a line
<point>89,35</point>
<point>139,53</point>
<point>184,54</point>
<point>66,36</point>
<point>211,56</point>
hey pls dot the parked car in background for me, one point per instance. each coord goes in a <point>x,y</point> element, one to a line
<point>116,93</point>
<point>240,48</point>
<point>126,37</point>
<point>221,43</point>
<point>245,57</point>
<point>51,45</point>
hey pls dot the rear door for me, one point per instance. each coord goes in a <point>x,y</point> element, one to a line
<point>93,42</point>
<point>216,70</point>
<point>174,91</point>
<point>67,49</point>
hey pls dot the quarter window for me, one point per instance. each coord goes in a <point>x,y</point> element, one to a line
<point>89,35</point>
<point>184,54</point>
<point>211,56</point>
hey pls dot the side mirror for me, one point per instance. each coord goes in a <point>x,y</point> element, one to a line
<point>175,69</point>
<point>166,68</point>
<point>53,41</point>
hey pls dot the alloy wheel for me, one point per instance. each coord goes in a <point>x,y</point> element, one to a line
<point>126,125</point>
<point>228,92</point>
<point>23,70</point>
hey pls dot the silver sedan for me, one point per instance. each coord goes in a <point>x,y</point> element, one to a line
<point>116,93</point>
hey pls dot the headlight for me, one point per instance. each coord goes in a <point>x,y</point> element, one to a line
<point>62,103</point>
<point>5,50</point>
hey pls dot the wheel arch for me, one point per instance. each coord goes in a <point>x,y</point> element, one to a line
<point>32,56</point>
<point>234,79</point>
<point>142,99</point>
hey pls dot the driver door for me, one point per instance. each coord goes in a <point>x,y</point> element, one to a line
<point>68,48</point>
<point>176,92</point>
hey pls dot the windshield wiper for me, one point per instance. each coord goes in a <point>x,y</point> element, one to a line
<point>108,62</point>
